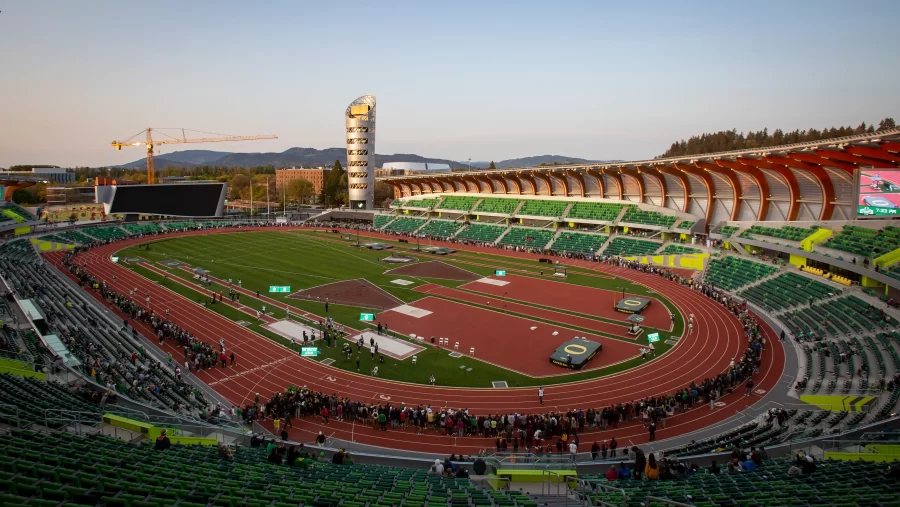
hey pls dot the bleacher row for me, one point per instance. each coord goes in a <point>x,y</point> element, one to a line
<point>71,471</point>
<point>549,208</point>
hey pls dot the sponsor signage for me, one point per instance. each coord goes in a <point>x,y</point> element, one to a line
<point>279,288</point>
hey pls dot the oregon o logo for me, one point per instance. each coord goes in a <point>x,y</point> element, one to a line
<point>576,349</point>
<point>631,302</point>
<point>719,403</point>
<point>760,391</point>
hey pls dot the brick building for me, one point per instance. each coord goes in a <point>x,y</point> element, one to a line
<point>315,176</point>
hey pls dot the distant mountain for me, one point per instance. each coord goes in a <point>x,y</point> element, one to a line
<point>537,160</point>
<point>296,157</point>
<point>186,158</point>
<point>288,158</point>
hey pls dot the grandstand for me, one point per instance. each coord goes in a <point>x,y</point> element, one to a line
<point>542,208</point>
<point>482,233</point>
<point>579,243</point>
<point>625,246</point>
<point>733,272</point>
<point>527,238</point>
<point>865,241</point>
<point>497,205</point>
<point>404,225</point>
<point>785,291</point>
<point>599,211</point>
<point>458,203</point>
<point>652,218</point>
<point>440,228</point>
<point>106,233</point>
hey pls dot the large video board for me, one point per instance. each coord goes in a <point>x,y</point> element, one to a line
<point>879,193</point>
<point>177,200</point>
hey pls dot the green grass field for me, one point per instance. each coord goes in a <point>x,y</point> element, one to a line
<point>306,259</point>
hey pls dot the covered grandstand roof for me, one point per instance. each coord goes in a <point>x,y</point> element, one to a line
<point>802,181</point>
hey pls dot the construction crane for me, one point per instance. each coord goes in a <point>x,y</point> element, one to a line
<point>150,143</point>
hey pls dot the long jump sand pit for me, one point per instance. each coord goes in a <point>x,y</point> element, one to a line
<point>358,292</point>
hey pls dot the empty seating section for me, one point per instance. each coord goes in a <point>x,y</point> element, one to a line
<point>17,250</point>
<point>404,224</point>
<point>636,215</point>
<point>175,226</point>
<point>497,205</point>
<point>686,224</point>
<point>440,228</point>
<point>786,291</point>
<point>629,246</point>
<point>458,202</point>
<point>14,213</point>
<point>54,238</point>
<point>769,485</point>
<point>105,233</point>
<point>602,211</point>
<point>893,271</point>
<point>382,220</point>
<point>76,237</point>
<point>420,203</point>
<point>481,232</point>
<point>732,272</point>
<point>32,397</point>
<point>96,470</point>
<point>574,242</point>
<point>727,230</point>
<point>865,241</point>
<point>787,232</point>
<point>675,249</point>
<point>537,207</point>
<point>528,238</point>
<point>142,228</point>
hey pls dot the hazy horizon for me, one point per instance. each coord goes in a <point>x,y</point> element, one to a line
<point>479,81</point>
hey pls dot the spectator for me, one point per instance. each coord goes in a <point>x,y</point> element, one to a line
<point>612,474</point>
<point>714,468</point>
<point>624,471</point>
<point>640,461</point>
<point>480,467</point>
<point>162,442</point>
<point>436,469</point>
<point>651,470</point>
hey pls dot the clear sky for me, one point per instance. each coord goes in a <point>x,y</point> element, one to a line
<point>459,80</point>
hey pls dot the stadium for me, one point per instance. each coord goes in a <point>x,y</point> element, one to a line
<point>538,325</point>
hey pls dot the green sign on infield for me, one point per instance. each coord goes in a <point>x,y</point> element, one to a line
<point>309,351</point>
<point>279,288</point>
<point>499,272</point>
<point>653,337</point>
<point>367,317</point>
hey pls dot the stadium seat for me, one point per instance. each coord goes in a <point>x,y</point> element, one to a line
<point>482,233</point>
<point>404,225</point>
<point>625,246</point>
<point>497,205</point>
<point>458,203</point>
<point>601,211</point>
<point>573,242</point>
<point>733,272</point>
<point>542,208</point>
<point>527,238</point>
<point>440,228</point>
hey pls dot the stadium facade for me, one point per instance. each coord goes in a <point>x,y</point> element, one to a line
<point>360,117</point>
<point>797,182</point>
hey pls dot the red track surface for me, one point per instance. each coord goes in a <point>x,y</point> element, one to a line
<point>266,367</point>
<point>499,338</point>
<point>574,298</point>
<point>620,330</point>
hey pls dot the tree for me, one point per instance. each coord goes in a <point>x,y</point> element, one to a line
<point>887,123</point>
<point>239,184</point>
<point>384,193</point>
<point>23,196</point>
<point>492,166</point>
<point>299,190</point>
<point>333,184</point>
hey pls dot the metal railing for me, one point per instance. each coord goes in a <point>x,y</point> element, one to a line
<point>605,487</point>
<point>546,480</point>
<point>649,498</point>
<point>531,461</point>
<point>11,413</point>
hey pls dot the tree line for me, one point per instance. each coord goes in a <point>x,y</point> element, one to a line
<point>728,140</point>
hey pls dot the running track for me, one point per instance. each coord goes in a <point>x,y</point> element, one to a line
<point>266,367</point>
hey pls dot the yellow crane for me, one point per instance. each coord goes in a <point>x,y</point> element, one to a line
<point>150,143</point>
